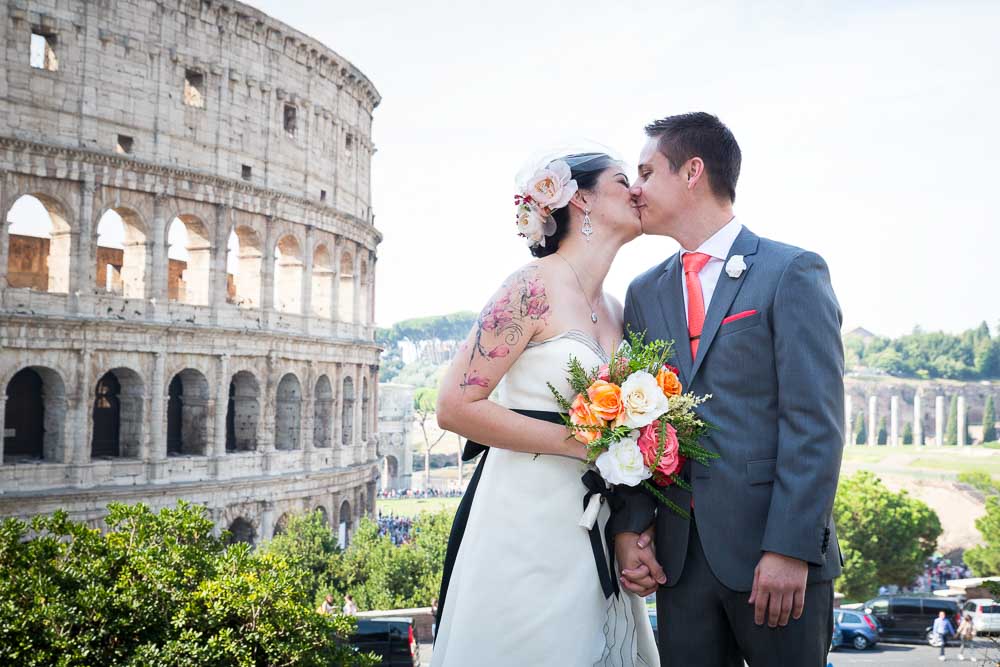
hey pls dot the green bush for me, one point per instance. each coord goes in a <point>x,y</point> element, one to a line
<point>886,537</point>
<point>155,589</point>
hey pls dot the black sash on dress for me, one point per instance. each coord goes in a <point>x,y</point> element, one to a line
<point>471,450</point>
<point>593,485</point>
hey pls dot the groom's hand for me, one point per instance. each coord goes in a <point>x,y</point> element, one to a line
<point>779,589</point>
<point>640,571</point>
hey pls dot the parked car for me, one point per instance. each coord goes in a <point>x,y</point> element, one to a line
<point>837,638</point>
<point>985,615</point>
<point>856,629</point>
<point>905,618</point>
<point>392,638</point>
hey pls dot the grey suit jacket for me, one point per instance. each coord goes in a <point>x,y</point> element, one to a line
<point>776,377</point>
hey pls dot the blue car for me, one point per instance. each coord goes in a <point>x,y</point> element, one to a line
<point>855,628</point>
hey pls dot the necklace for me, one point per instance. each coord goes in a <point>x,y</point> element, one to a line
<point>593,312</point>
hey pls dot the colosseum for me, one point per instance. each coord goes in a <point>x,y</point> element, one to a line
<point>187,265</point>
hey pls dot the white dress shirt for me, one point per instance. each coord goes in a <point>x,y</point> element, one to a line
<point>717,247</point>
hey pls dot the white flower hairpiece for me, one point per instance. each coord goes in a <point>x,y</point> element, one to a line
<point>547,190</point>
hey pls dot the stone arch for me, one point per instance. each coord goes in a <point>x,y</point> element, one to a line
<point>347,412</point>
<point>288,413</point>
<point>120,242</point>
<point>345,524</point>
<point>288,270</point>
<point>189,259</point>
<point>365,409</point>
<point>116,415</point>
<point>241,530</point>
<point>242,413</point>
<point>322,282</point>
<point>281,525</point>
<point>39,243</point>
<point>35,415</point>
<point>345,295</point>
<point>322,412</point>
<point>244,266</point>
<point>187,414</point>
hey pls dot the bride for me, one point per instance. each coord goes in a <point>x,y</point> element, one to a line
<point>520,585</point>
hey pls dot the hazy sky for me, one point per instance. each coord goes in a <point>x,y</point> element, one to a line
<point>868,129</point>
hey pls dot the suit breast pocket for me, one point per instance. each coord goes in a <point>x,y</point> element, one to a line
<point>740,324</point>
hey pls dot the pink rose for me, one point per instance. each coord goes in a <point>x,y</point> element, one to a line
<point>671,461</point>
<point>604,372</point>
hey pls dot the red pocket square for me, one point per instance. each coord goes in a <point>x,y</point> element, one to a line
<point>739,316</point>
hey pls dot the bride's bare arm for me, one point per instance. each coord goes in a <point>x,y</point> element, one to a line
<point>518,310</point>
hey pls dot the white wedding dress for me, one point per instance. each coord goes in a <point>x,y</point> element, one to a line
<point>525,590</point>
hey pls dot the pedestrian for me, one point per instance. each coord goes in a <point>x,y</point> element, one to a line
<point>966,632</point>
<point>328,607</point>
<point>943,628</point>
<point>351,609</point>
<point>434,616</point>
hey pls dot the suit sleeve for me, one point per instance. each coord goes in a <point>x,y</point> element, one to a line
<point>809,359</point>
<point>632,509</point>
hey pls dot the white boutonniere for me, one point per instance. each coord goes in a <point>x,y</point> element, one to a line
<point>735,266</point>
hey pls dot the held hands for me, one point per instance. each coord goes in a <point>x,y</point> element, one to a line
<point>779,589</point>
<point>640,572</point>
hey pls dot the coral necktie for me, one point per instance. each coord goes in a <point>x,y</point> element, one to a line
<point>694,262</point>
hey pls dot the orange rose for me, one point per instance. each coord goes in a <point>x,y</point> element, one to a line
<point>580,414</point>
<point>605,399</point>
<point>669,382</point>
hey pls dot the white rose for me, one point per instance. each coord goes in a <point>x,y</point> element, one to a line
<point>735,266</point>
<point>530,225</point>
<point>553,186</point>
<point>642,399</point>
<point>623,463</point>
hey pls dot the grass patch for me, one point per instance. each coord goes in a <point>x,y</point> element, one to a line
<point>949,464</point>
<point>414,506</point>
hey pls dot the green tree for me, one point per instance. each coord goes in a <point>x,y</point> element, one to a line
<point>980,480</point>
<point>885,536</point>
<point>951,430</point>
<point>309,543</point>
<point>155,589</point>
<point>860,430</point>
<point>985,559</point>
<point>908,434</point>
<point>883,433</point>
<point>989,421</point>
<point>425,405</point>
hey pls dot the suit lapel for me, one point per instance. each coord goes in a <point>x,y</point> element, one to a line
<point>672,308</point>
<point>725,291</point>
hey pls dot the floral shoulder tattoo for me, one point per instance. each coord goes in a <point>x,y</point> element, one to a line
<point>501,323</point>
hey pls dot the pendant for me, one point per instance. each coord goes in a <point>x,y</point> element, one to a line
<point>593,317</point>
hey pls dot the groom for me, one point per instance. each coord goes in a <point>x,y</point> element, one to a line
<point>757,325</point>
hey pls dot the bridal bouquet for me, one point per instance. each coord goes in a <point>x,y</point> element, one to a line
<point>632,413</point>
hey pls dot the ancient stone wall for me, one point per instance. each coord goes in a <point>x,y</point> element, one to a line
<point>185,379</point>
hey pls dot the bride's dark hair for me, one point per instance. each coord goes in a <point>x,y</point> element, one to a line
<point>585,169</point>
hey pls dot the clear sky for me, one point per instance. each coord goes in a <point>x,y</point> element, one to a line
<point>868,129</point>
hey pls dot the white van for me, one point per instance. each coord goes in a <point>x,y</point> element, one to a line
<point>985,615</point>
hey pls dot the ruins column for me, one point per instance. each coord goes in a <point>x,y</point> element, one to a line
<point>338,244</point>
<point>82,255</point>
<point>872,421</point>
<point>3,414</point>
<point>4,242</point>
<point>267,274</point>
<point>305,296</point>
<point>157,454</point>
<point>266,521</point>
<point>159,264</point>
<point>894,421</point>
<point>848,427</point>
<point>961,421</point>
<point>938,421</point>
<point>918,420</point>
<point>222,380</point>
<point>218,293</point>
<point>79,441</point>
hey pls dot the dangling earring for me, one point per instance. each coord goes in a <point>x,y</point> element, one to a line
<point>588,228</point>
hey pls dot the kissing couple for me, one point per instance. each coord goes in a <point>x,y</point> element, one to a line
<point>747,575</point>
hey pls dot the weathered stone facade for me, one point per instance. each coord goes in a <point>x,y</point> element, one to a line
<point>130,376</point>
<point>395,422</point>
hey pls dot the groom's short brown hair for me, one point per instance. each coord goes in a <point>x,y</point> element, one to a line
<point>703,135</point>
